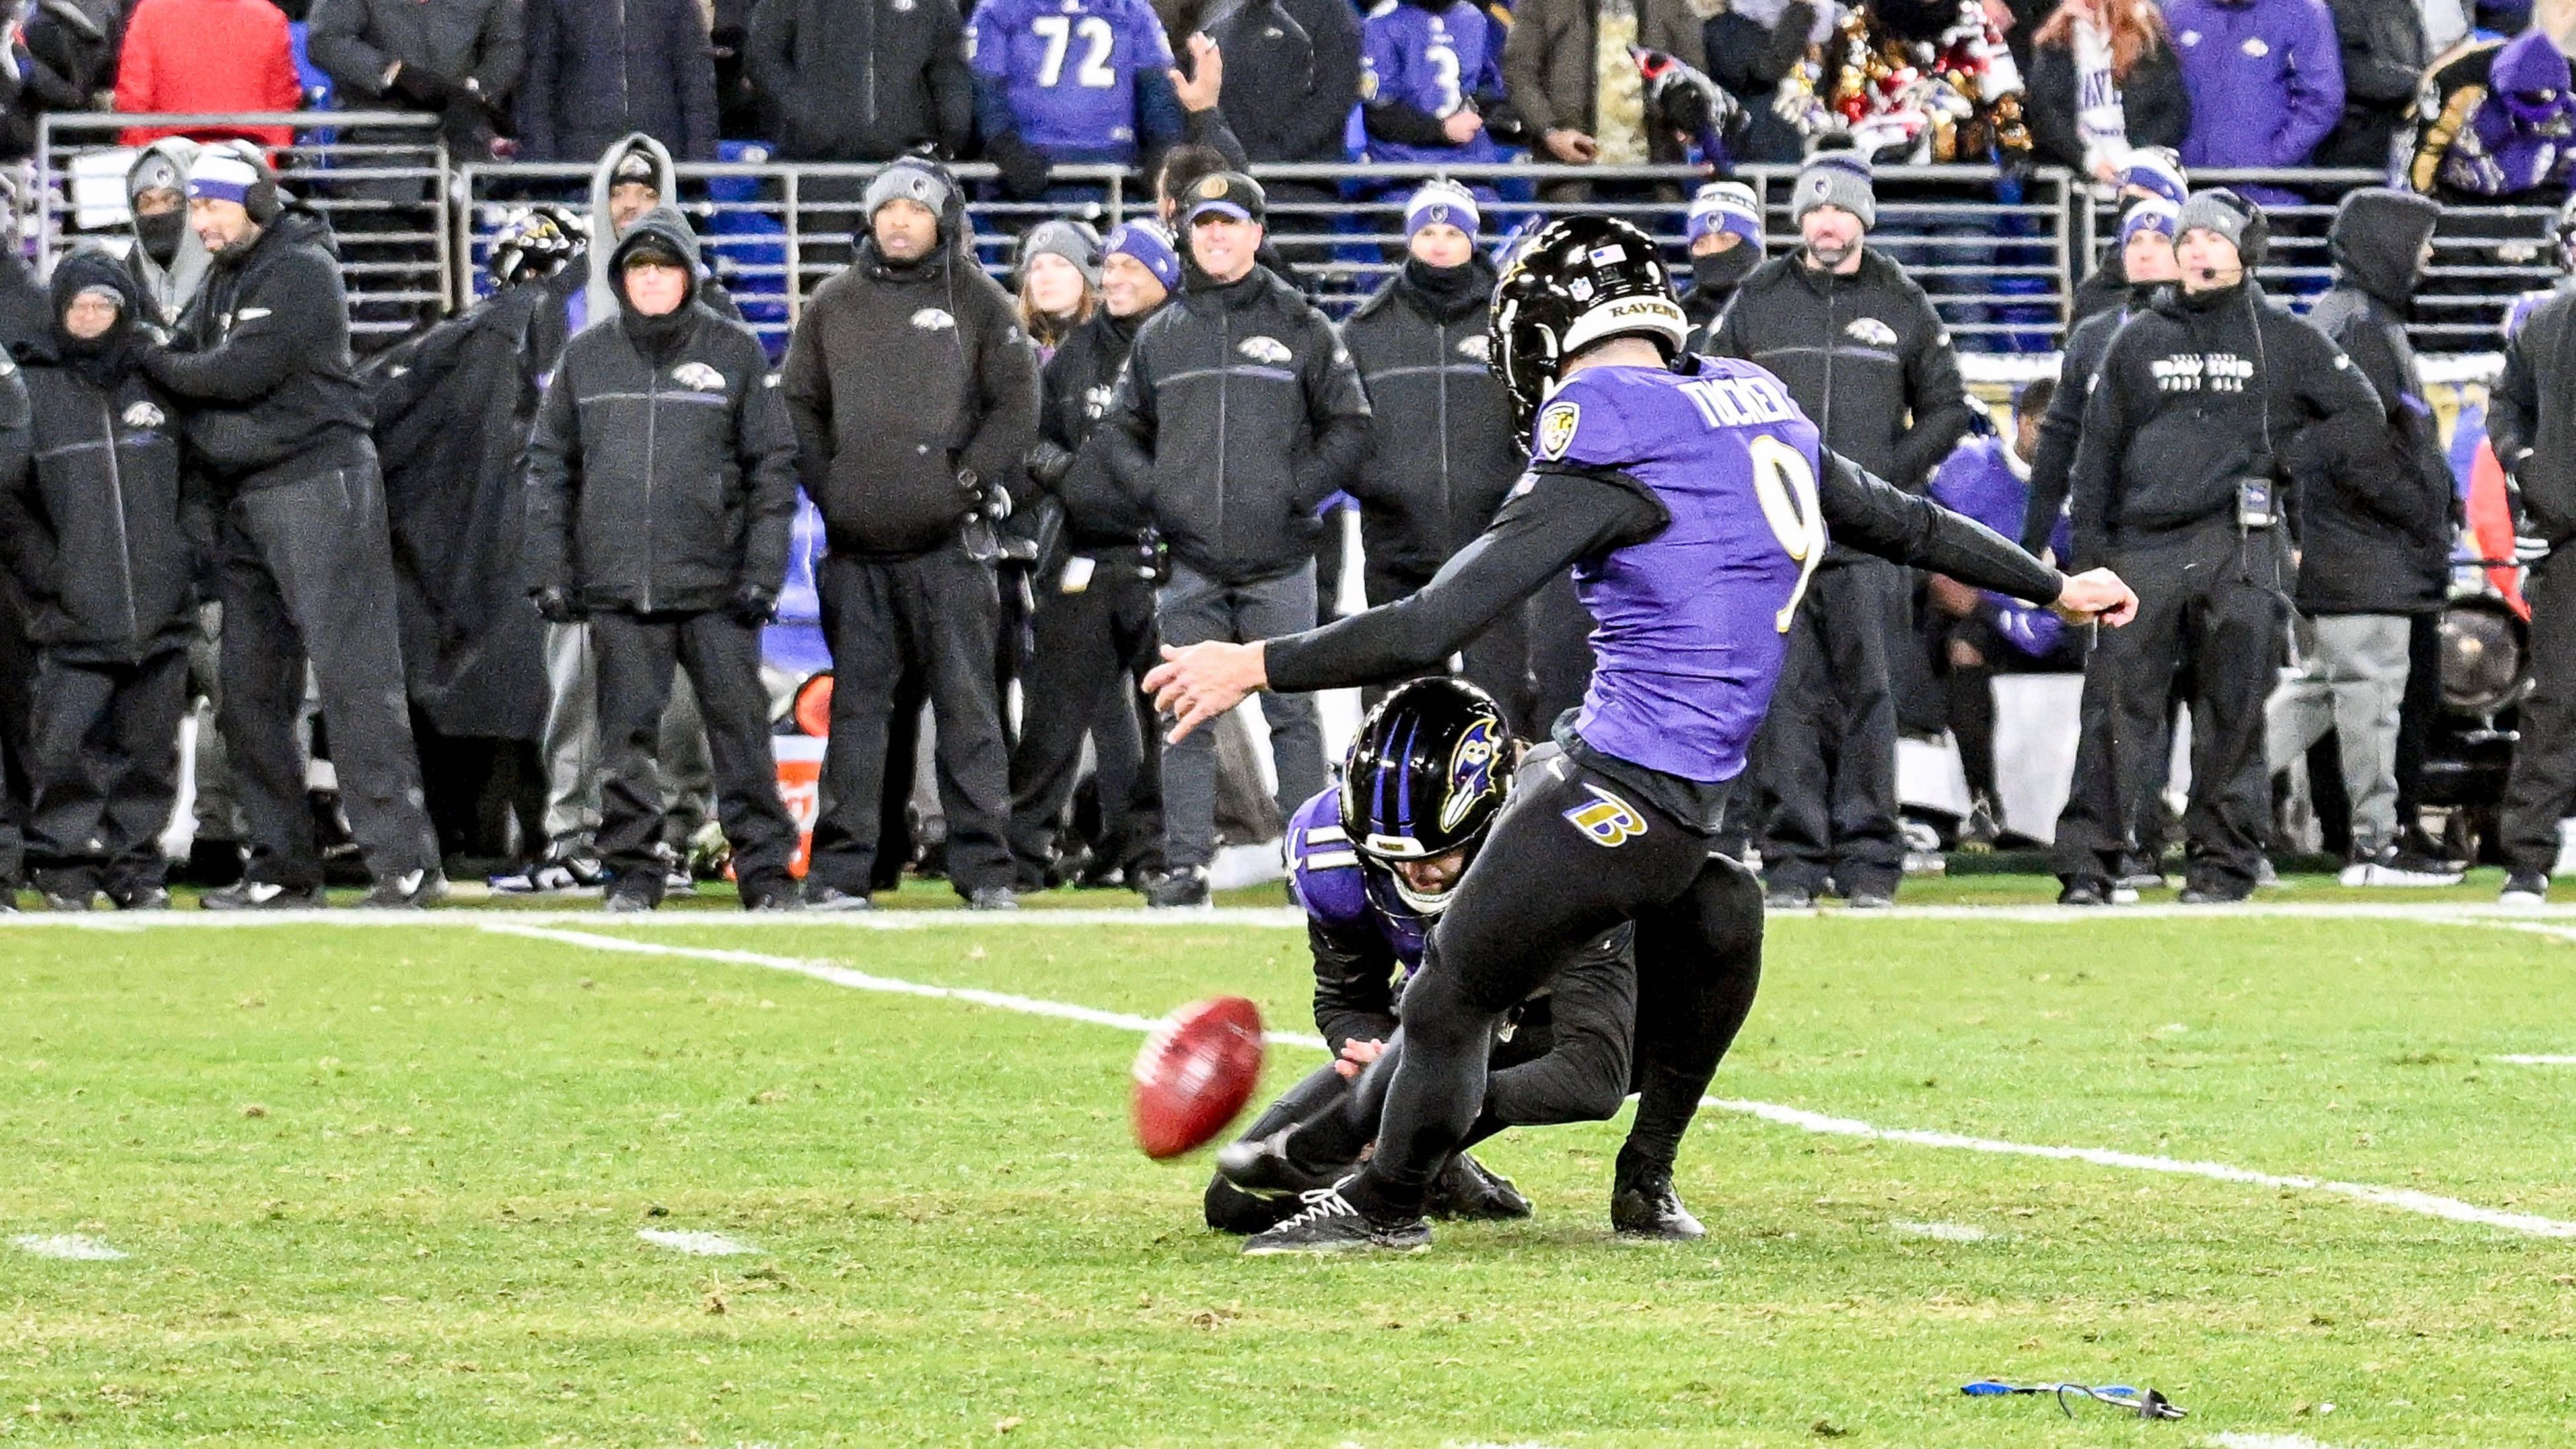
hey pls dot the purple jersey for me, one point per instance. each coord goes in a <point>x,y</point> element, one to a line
<point>1692,624</point>
<point>1434,60</point>
<point>1342,890</point>
<point>1069,68</point>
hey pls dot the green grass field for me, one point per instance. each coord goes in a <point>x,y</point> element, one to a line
<point>383,1185</point>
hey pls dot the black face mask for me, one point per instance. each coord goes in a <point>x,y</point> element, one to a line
<point>1727,269</point>
<point>1448,289</point>
<point>160,235</point>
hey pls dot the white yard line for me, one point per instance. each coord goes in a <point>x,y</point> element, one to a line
<point>1939,1232</point>
<point>699,1244</point>
<point>2402,1199</point>
<point>76,1247</point>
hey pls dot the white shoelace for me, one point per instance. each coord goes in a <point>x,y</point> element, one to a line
<point>1321,1203</point>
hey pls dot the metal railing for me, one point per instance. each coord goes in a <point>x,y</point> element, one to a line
<point>1998,255</point>
<point>380,178</point>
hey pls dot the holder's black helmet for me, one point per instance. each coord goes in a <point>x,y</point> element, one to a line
<point>1580,280</point>
<point>1427,774</point>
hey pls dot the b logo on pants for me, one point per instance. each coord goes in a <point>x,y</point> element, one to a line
<point>1608,820</point>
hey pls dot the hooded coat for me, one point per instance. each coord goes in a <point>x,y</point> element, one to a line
<point>453,411</point>
<point>879,449</point>
<point>95,529</point>
<point>262,367</point>
<point>1442,449</point>
<point>593,278</point>
<point>167,290</point>
<point>2377,540</point>
<point>662,469</point>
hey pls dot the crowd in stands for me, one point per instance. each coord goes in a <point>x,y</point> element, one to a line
<point>564,525</point>
<point>2463,102</point>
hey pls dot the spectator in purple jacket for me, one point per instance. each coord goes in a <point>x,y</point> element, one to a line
<point>2266,82</point>
<point>1975,634</point>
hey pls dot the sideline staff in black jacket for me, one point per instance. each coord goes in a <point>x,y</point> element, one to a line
<point>1442,449</point>
<point>915,396</point>
<point>1238,414</point>
<point>275,414</point>
<point>1094,626</point>
<point>2178,481</point>
<point>95,534</point>
<point>1862,351</point>
<point>661,487</point>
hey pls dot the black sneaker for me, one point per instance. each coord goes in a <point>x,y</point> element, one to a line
<point>1982,828</point>
<point>1869,900</point>
<point>834,902</point>
<point>2213,893</point>
<point>413,890</point>
<point>1467,1191</point>
<point>1330,1223</point>
<point>2085,893</point>
<point>2525,889</point>
<point>1788,898</point>
<point>260,895</point>
<point>70,900</point>
<point>1644,1205</point>
<point>629,903</point>
<point>1262,1167</point>
<point>144,898</point>
<point>993,898</point>
<point>1185,889</point>
<point>782,899</point>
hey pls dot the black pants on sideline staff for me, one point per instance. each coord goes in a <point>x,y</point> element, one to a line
<point>937,613</point>
<point>2540,787</point>
<point>1541,888</point>
<point>303,575</point>
<point>636,655</point>
<point>104,753</point>
<point>1093,648</point>
<point>1496,661</point>
<point>1825,760</point>
<point>2210,601</point>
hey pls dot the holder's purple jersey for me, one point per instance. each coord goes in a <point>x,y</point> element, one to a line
<point>1694,622</point>
<point>1332,882</point>
<point>1433,61</point>
<point>1069,67</point>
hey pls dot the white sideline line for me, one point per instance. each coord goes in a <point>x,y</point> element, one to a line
<point>2520,1059</point>
<point>2265,1441</point>
<point>2403,1199</point>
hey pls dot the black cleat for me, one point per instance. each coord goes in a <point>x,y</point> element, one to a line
<point>1643,1205</point>
<point>1467,1191</point>
<point>1261,1166</point>
<point>830,901</point>
<point>2085,893</point>
<point>993,898</point>
<point>413,890</point>
<point>70,900</point>
<point>1788,898</point>
<point>1185,889</point>
<point>1331,1224</point>
<point>260,895</point>
<point>141,898</point>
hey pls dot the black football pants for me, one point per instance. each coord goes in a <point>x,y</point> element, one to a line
<point>1573,855</point>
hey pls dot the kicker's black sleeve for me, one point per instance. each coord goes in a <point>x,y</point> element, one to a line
<point>1879,518</point>
<point>1354,985</point>
<point>1555,517</point>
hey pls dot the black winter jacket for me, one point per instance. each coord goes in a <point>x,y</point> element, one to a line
<point>2155,110</point>
<point>1238,414</point>
<point>96,528</point>
<point>2191,396</point>
<point>1442,449</point>
<point>2382,42</point>
<point>2053,463</point>
<point>1292,74</point>
<point>662,471</point>
<point>1080,383</point>
<point>356,41</point>
<point>599,69</point>
<point>2377,540</point>
<point>1750,60</point>
<point>861,80</point>
<point>897,378</point>
<point>2533,427</point>
<point>267,385</point>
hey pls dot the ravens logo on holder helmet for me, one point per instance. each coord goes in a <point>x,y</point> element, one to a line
<point>1426,775</point>
<point>1580,280</point>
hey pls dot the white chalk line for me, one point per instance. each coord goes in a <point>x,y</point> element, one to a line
<point>2402,1199</point>
<point>71,1247</point>
<point>2525,1059</point>
<point>2265,1441</point>
<point>699,1244</point>
<point>1939,1232</point>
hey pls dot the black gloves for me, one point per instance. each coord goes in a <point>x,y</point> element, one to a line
<point>556,606</point>
<point>1047,463</point>
<point>1023,166</point>
<point>979,500</point>
<point>424,87</point>
<point>752,605</point>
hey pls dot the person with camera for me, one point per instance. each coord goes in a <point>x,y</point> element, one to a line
<point>2179,486</point>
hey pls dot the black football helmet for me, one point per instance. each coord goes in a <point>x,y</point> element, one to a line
<point>1426,775</point>
<point>1580,280</point>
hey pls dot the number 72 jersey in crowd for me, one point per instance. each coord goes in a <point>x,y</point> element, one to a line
<point>1069,68</point>
<point>1693,622</point>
